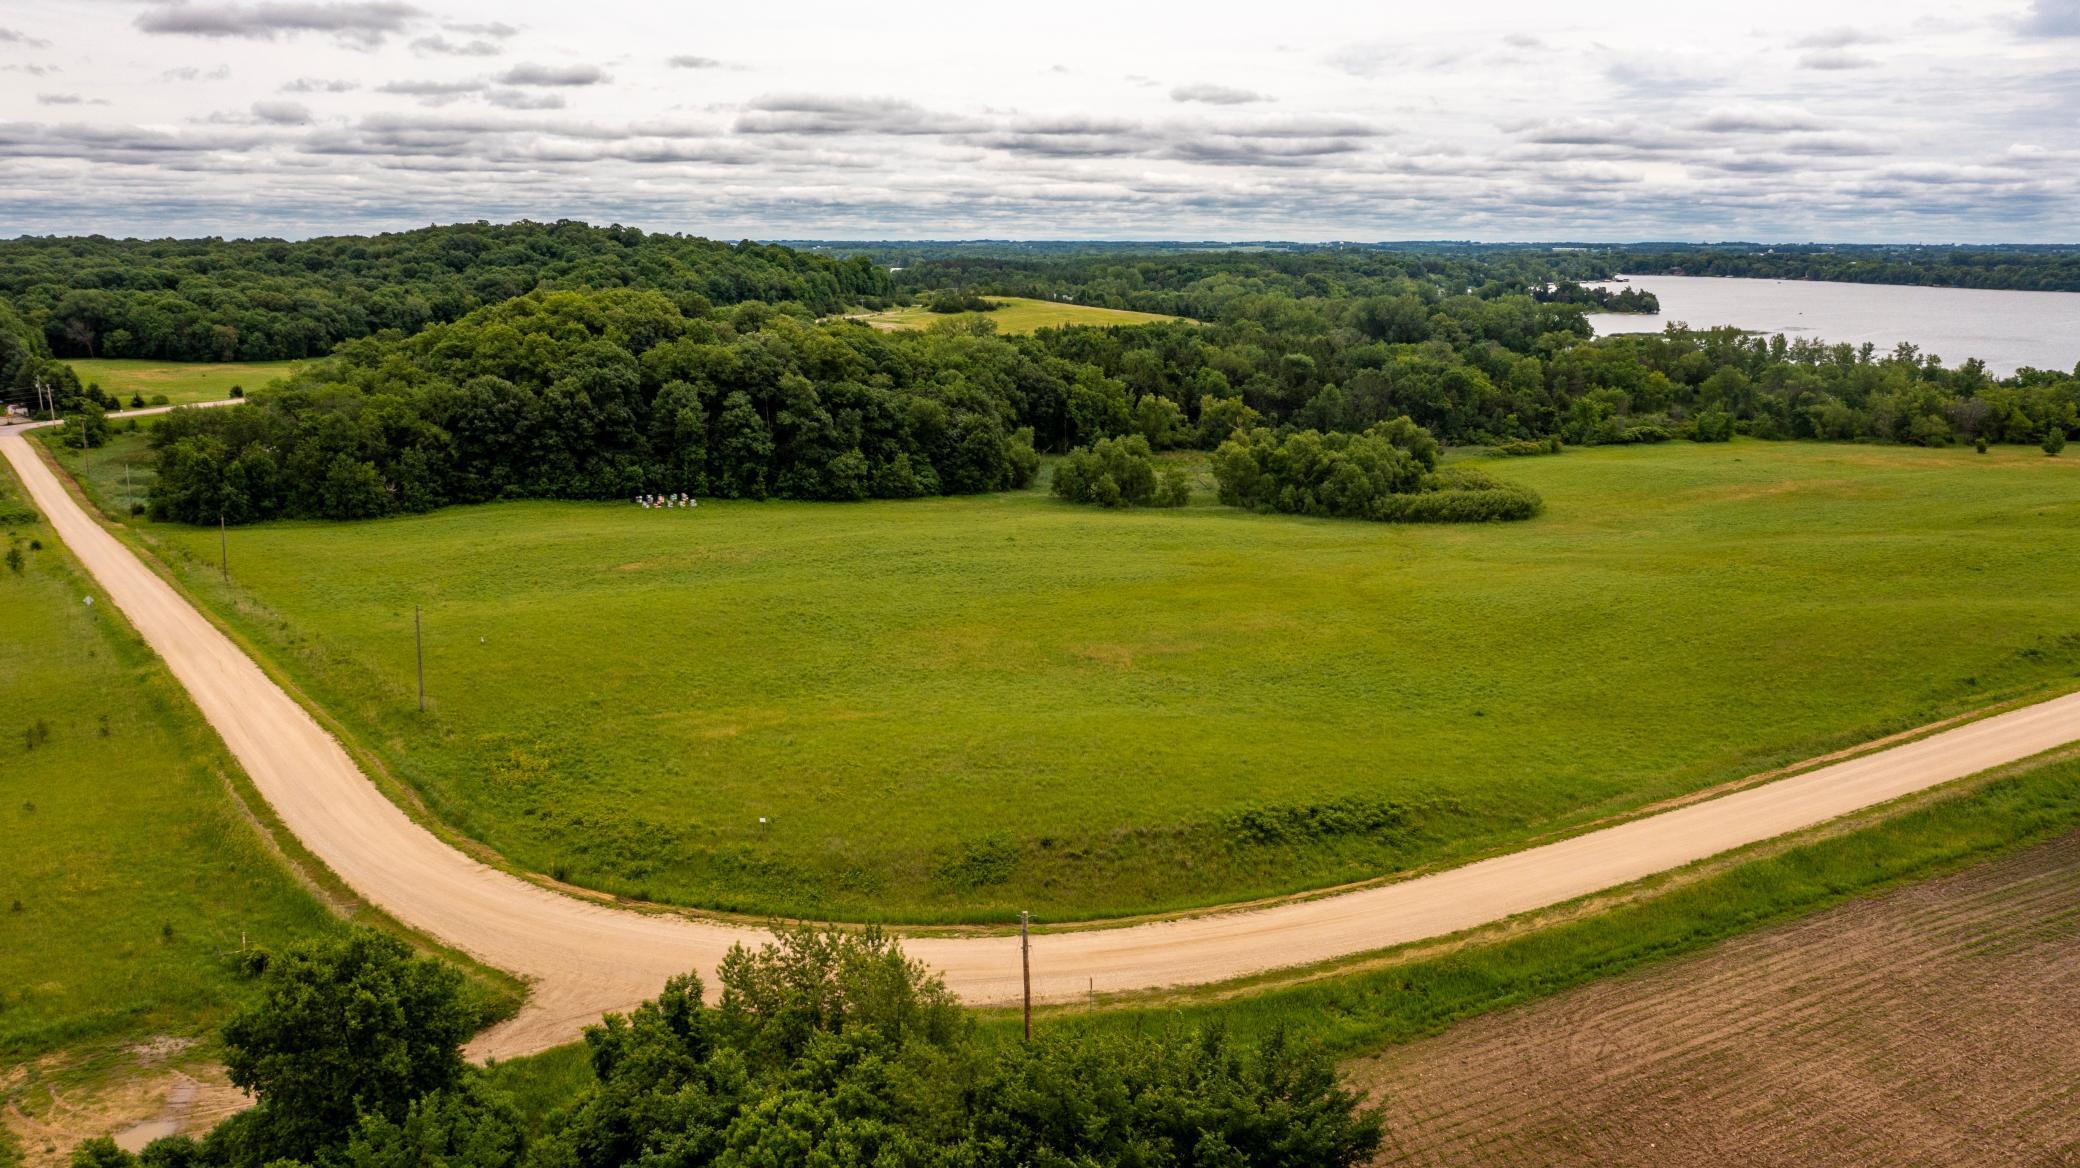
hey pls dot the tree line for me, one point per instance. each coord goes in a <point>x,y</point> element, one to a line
<point>603,395</point>
<point>2021,268</point>
<point>822,1048</point>
<point>598,394</point>
<point>1461,343</point>
<point>269,299</point>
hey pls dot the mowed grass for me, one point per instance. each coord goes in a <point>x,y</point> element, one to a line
<point>129,875</point>
<point>180,382</point>
<point>1019,315</point>
<point>951,709</point>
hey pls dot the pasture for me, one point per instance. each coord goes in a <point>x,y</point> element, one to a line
<point>949,709</point>
<point>131,876</point>
<point>179,382</point>
<point>1019,315</point>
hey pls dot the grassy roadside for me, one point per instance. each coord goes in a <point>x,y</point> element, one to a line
<point>139,863</point>
<point>1410,993</point>
<point>132,875</point>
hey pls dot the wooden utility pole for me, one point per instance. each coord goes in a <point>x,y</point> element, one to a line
<point>419,646</point>
<point>1025,963</point>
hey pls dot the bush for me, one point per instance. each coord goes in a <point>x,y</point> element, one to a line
<point>1387,473</point>
<point>1112,472</point>
<point>1712,426</point>
<point>1525,447</point>
<point>2054,440</point>
<point>1175,489</point>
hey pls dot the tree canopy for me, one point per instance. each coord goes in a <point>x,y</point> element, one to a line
<point>823,1049</point>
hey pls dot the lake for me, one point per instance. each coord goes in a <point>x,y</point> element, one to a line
<point>2007,330</point>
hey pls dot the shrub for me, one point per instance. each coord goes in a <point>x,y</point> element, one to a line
<point>2054,440</point>
<point>1175,489</point>
<point>1525,447</point>
<point>1712,426</point>
<point>1388,473</point>
<point>1112,472</point>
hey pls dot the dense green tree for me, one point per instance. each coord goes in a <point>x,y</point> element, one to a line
<point>1114,472</point>
<point>343,1029</point>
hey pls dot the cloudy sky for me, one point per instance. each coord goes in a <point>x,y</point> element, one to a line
<point>1762,119</point>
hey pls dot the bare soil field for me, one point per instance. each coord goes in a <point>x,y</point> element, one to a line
<point>1937,1024</point>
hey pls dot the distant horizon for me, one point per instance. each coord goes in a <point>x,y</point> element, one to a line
<point>799,241</point>
<point>1308,121</point>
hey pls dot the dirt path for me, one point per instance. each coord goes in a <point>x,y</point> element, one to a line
<point>583,958</point>
<point>1937,1024</point>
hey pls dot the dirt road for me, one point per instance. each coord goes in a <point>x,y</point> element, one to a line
<point>583,958</point>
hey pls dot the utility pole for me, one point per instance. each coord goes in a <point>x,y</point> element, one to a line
<point>1025,962</point>
<point>419,646</point>
<point>223,548</point>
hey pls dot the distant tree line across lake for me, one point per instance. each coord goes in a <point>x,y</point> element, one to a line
<point>757,391</point>
<point>2045,269</point>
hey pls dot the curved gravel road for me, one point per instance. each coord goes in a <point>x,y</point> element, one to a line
<point>582,958</point>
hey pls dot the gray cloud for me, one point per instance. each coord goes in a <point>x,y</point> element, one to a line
<point>363,23</point>
<point>31,70</point>
<point>193,73</point>
<point>688,61</point>
<point>1216,95</point>
<point>810,114</point>
<point>15,36</point>
<point>68,99</point>
<point>1835,61</point>
<point>442,46</point>
<point>494,28</point>
<point>432,92</point>
<point>1663,74</point>
<point>1838,37</point>
<point>320,85</point>
<point>1597,132</point>
<point>520,99</point>
<point>1757,120</point>
<point>2055,18</point>
<point>530,73</point>
<point>281,113</point>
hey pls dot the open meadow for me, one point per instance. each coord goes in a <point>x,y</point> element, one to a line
<point>179,382</point>
<point>949,709</point>
<point>1019,314</point>
<point>131,876</point>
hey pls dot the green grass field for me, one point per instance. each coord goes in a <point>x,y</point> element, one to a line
<point>1019,315</point>
<point>129,875</point>
<point>180,382</point>
<point>953,708</point>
